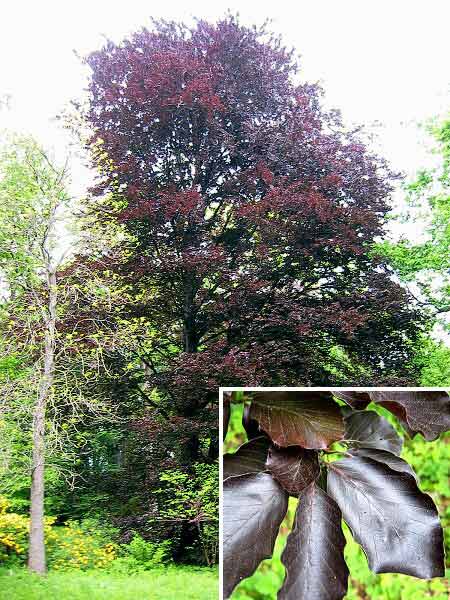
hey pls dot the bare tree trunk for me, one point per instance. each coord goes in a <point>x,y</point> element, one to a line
<point>190,341</point>
<point>36,555</point>
<point>202,542</point>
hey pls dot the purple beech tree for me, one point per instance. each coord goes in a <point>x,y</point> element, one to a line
<point>249,215</point>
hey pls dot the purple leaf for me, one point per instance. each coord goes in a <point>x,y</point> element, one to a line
<point>366,429</point>
<point>425,412</point>
<point>308,419</point>
<point>395,523</point>
<point>391,460</point>
<point>248,458</point>
<point>314,553</point>
<point>253,509</point>
<point>294,467</point>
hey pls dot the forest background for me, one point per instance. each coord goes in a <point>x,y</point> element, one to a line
<point>131,426</point>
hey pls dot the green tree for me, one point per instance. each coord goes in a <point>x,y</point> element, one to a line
<point>424,263</point>
<point>193,498</point>
<point>32,196</point>
<point>71,438</point>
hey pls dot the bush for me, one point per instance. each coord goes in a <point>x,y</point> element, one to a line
<point>192,497</point>
<point>76,549</point>
<point>78,545</point>
<point>125,565</point>
<point>145,555</point>
<point>72,546</point>
<point>14,530</point>
<point>13,535</point>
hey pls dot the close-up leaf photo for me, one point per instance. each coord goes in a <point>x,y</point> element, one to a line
<point>335,494</point>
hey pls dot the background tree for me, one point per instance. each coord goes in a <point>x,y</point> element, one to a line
<point>44,374</point>
<point>32,192</point>
<point>422,261</point>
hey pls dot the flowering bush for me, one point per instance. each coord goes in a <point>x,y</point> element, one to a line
<point>78,545</point>
<point>76,549</point>
<point>68,547</point>
<point>13,532</point>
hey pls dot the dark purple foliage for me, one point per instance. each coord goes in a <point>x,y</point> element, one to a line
<point>252,212</point>
<point>375,491</point>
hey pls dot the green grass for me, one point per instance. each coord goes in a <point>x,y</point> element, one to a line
<point>173,583</point>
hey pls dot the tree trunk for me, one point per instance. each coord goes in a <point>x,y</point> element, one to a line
<point>190,342</point>
<point>189,325</point>
<point>36,554</point>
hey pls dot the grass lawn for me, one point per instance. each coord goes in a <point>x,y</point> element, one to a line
<point>173,583</point>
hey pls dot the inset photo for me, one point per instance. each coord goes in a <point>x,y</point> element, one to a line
<point>335,493</point>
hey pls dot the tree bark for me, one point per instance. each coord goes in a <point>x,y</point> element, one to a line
<point>36,554</point>
<point>189,325</point>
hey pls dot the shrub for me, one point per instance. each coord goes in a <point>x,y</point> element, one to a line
<point>76,549</point>
<point>14,530</point>
<point>72,546</point>
<point>78,545</point>
<point>13,534</point>
<point>192,497</point>
<point>125,565</point>
<point>147,554</point>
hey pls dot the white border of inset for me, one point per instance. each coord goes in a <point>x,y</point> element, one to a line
<point>287,389</point>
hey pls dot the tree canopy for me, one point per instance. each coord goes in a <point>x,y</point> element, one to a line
<point>249,215</point>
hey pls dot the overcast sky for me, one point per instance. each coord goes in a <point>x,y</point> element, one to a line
<point>383,61</point>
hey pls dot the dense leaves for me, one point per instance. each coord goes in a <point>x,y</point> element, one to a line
<point>375,491</point>
<point>425,261</point>
<point>234,222</point>
<point>247,214</point>
<point>253,508</point>
<point>314,554</point>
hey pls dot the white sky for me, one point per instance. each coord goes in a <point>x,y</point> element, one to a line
<point>378,60</point>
